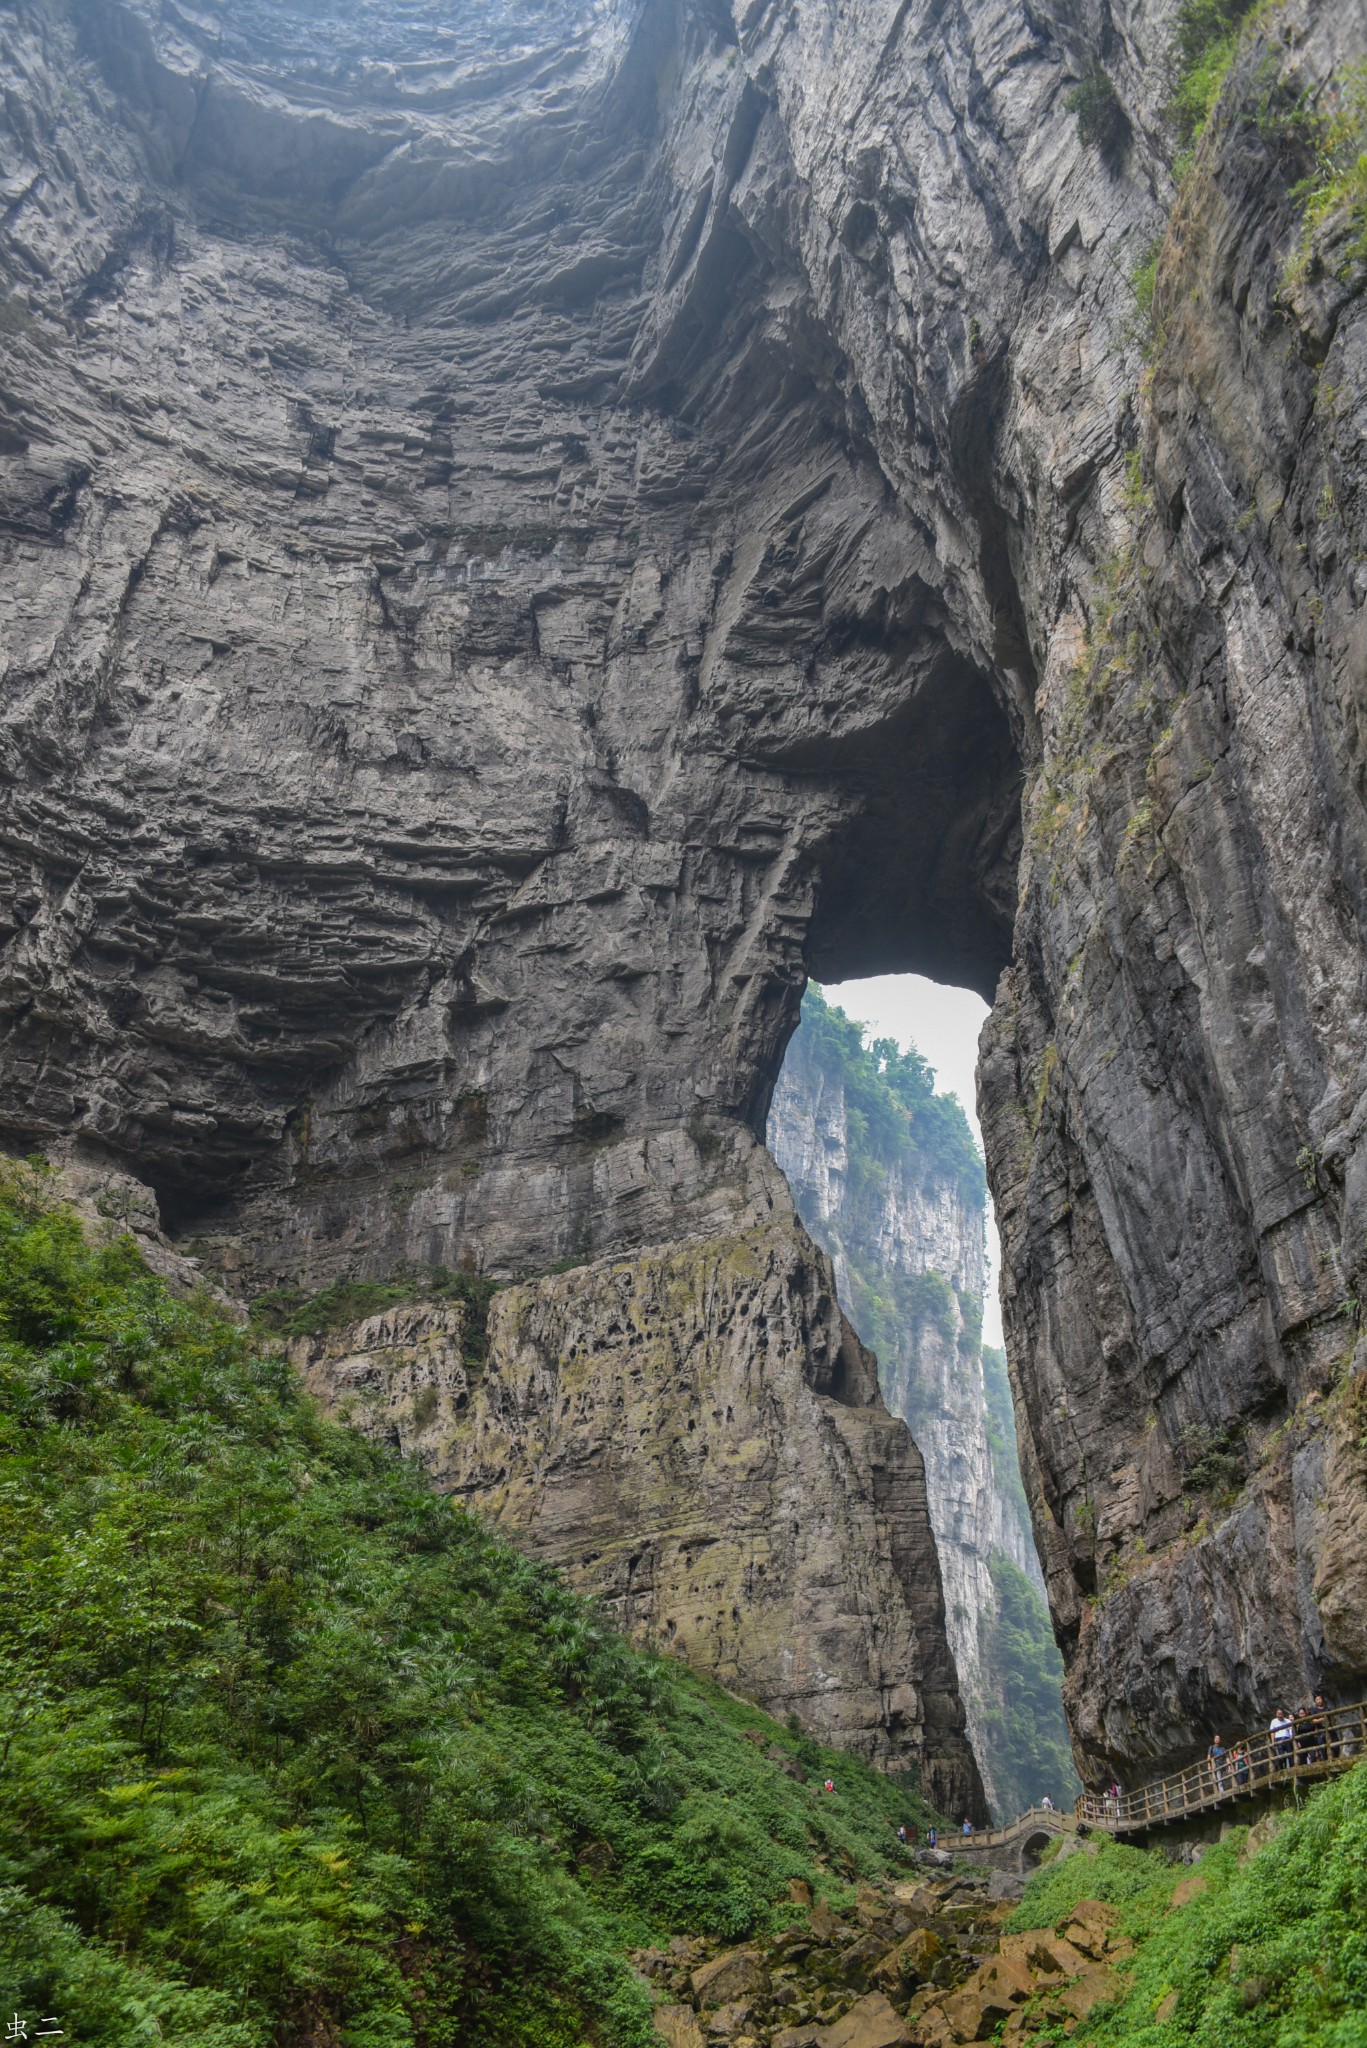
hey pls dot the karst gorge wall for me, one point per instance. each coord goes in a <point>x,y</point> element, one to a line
<point>525,534</point>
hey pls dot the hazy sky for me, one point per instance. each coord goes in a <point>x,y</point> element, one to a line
<point>943,1024</point>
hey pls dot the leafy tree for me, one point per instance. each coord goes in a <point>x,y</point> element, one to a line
<point>1101,120</point>
<point>892,1107</point>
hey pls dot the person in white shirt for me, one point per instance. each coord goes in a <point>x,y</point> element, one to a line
<point>1281,1733</point>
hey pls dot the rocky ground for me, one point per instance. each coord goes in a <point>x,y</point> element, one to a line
<point>927,1961</point>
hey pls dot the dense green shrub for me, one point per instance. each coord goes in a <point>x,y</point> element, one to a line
<point>290,1749</point>
<point>1273,1954</point>
<point>1205,38</point>
<point>1335,134</point>
<point>1101,120</point>
<point>291,1312</point>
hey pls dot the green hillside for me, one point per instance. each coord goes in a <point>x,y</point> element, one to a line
<point>292,1751</point>
<point>1262,1950</point>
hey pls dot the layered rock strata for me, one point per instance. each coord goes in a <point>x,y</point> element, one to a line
<point>694,1433</point>
<point>520,538</point>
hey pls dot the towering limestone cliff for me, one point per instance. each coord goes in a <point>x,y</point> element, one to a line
<point>523,535</point>
<point>887,1179</point>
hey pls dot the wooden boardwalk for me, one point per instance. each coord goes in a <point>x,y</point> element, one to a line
<point>1320,1748</point>
<point>1317,1748</point>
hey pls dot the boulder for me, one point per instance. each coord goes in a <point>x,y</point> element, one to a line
<point>1097,1986</point>
<point>677,2025</point>
<point>1091,1925</point>
<point>933,2029</point>
<point>1075,1845</point>
<point>728,2022</point>
<point>860,1958</point>
<point>919,1898</point>
<point>826,1923</point>
<point>1044,1954</point>
<point>911,1961</point>
<point>737,1974</point>
<point>993,1991</point>
<point>1005,1884</point>
<point>871,2023</point>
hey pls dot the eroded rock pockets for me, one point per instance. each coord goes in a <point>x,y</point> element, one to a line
<point>694,1434</point>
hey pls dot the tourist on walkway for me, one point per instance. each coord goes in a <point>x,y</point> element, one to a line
<point>1215,1760</point>
<point>967,1826</point>
<point>1238,1758</point>
<point>1315,1725</point>
<point>1281,1732</point>
<point>1047,1804</point>
<point>932,1837</point>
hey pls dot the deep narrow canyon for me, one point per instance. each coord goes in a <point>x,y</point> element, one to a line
<point>524,536</point>
<point>886,1176</point>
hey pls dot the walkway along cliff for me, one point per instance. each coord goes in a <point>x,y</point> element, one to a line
<point>522,541</point>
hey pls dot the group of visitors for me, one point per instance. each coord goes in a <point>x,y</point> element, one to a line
<point>1308,1739</point>
<point>1229,1769</point>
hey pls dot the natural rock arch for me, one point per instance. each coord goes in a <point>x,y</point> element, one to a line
<point>497,542</point>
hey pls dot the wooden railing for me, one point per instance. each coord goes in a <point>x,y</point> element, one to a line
<point>1327,1742</point>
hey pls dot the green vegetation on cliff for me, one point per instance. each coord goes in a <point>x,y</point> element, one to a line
<point>1268,1950</point>
<point>1022,1709</point>
<point>290,1750</point>
<point>892,1107</point>
<point>893,1117</point>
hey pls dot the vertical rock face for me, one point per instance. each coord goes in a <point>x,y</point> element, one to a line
<point>1173,1080</point>
<point>695,1435</point>
<point>523,536</point>
<point>904,1228</point>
